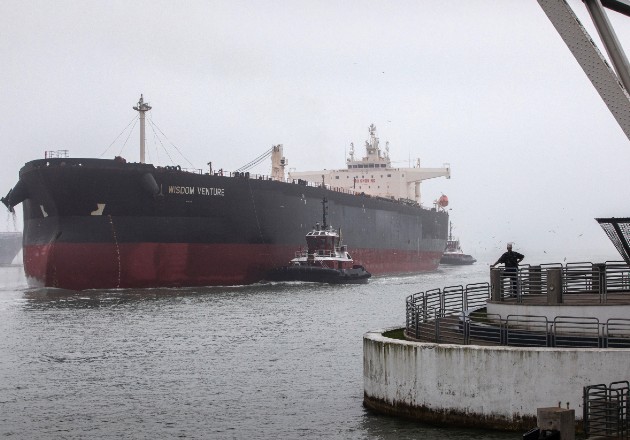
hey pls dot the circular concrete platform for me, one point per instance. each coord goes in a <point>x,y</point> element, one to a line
<point>496,387</point>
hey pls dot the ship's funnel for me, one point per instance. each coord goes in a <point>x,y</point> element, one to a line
<point>618,230</point>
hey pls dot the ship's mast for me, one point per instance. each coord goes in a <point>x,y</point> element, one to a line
<point>142,108</point>
<point>324,213</point>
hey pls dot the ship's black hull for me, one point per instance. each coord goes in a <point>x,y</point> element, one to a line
<point>316,274</point>
<point>100,224</point>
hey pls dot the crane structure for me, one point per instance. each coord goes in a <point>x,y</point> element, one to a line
<point>612,83</point>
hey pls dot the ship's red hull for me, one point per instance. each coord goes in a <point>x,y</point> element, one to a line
<point>80,266</point>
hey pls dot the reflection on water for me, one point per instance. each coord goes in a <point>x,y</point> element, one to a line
<point>264,361</point>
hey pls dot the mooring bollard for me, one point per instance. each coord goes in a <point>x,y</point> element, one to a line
<point>557,419</point>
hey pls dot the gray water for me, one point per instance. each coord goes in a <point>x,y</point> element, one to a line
<point>251,362</point>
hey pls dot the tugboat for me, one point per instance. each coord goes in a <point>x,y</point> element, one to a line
<point>453,254</point>
<point>326,259</point>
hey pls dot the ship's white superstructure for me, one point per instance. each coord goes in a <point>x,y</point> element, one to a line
<point>278,163</point>
<point>374,174</point>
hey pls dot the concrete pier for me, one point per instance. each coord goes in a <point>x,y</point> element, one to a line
<point>557,419</point>
<point>497,387</point>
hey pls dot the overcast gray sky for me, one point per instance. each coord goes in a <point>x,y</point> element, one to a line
<point>487,86</point>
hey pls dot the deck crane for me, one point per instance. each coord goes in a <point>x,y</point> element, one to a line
<point>612,83</point>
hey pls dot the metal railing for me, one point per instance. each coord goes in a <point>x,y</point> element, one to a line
<point>605,410</point>
<point>518,331</point>
<point>576,279</point>
<point>456,315</point>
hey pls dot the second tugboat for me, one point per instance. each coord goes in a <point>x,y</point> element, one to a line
<point>326,259</point>
<point>453,254</point>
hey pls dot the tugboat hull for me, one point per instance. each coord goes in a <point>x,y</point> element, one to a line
<point>457,259</point>
<point>356,275</point>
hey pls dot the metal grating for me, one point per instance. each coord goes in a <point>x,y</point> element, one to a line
<point>618,230</point>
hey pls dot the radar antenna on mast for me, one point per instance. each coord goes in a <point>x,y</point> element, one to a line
<point>142,108</point>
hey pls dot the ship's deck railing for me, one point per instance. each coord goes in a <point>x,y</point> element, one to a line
<point>50,154</point>
<point>193,170</point>
<point>303,182</point>
<point>319,253</point>
<point>456,314</point>
<point>247,175</point>
<point>54,160</point>
<point>61,157</point>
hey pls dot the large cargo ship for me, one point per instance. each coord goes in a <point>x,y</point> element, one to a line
<point>98,223</point>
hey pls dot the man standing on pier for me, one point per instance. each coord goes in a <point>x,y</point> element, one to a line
<point>511,259</point>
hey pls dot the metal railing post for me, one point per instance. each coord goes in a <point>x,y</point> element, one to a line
<point>585,413</point>
<point>417,321</point>
<point>466,330</point>
<point>535,286</point>
<point>495,284</point>
<point>437,328</point>
<point>554,286</point>
<point>465,299</point>
<point>424,308</point>
<point>601,281</point>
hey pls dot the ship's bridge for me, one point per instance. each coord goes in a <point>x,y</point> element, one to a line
<point>374,174</point>
<point>374,157</point>
<point>322,240</point>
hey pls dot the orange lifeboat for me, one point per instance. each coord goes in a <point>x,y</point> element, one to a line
<point>442,201</point>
